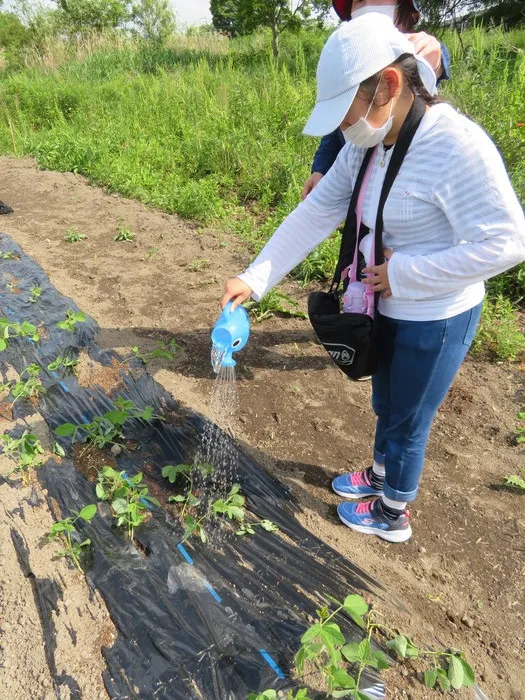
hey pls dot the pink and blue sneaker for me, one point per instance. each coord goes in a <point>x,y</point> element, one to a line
<point>370,519</point>
<point>357,485</point>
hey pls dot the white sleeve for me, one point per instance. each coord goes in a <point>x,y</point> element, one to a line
<point>475,193</point>
<point>305,228</point>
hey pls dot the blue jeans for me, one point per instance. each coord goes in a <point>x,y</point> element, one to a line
<point>418,361</point>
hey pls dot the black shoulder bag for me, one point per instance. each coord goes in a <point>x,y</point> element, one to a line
<point>349,338</point>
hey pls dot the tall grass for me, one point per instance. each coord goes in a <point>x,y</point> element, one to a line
<point>211,128</point>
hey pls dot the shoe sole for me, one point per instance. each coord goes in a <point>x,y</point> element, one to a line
<point>356,496</point>
<point>393,536</point>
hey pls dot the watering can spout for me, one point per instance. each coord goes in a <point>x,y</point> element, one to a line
<point>230,334</point>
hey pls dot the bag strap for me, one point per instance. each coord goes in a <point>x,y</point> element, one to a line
<point>350,235</point>
<point>359,214</point>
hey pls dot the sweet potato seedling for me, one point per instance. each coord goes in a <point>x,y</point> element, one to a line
<point>107,429</point>
<point>124,233</point>
<point>35,294</point>
<point>25,450</point>
<point>9,255</point>
<point>128,499</point>
<point>30,386</point>
<point>163,351</point>
<point>65,530</point>
<point>73,235</point>
<point>11,329</point>
<point>71,320</point>
<point>62,363</point>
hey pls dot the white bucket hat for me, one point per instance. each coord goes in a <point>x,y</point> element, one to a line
<point>354,52</point>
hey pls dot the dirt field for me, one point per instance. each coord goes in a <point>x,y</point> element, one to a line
<point>462,574</point>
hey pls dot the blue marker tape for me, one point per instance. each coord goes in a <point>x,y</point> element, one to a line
<point>182,549</point>
<point>272,664</point>
<point>64,387</point>
<point>214,593</point>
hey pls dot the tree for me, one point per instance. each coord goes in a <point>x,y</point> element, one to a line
<point>13,34</point>
<point>154,19</point>
<point>244,16</point>
<point>450,11</point>
<point>97,15</point>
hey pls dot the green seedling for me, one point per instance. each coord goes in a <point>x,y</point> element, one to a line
<point>187,472</point>
<point>249,528</point>
<point>151,252</point>
<point>64,530</point>
<point>107,429</point>
<point>62,363</point>
<point>516,480</point>
<point>124,233</point>
<point>26,450</point>
<point>35,294</point>
<point>324,645</point>
<point>164,351</point>
<point>128,501</point>
<point>73,235</point>
<point>9,255</point>
<point>71,320</point>
<point>10,329</point>
<point>271,304</point>
<point>198,265</point>
<point>32,386</point>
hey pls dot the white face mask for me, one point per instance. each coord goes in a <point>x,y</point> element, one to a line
<point>363,135</point>
<point>388,10</point>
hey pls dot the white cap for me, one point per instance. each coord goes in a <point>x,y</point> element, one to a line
<point>357,50</point>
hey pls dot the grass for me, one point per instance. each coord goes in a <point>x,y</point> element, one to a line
<point>211,129</point>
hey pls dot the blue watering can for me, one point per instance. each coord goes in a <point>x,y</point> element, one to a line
<point>230,334</point>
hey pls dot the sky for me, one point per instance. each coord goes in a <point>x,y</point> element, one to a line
<point>192,11</point>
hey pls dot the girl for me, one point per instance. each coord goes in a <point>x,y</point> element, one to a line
<point>446,227</point>
<point>405,15</point>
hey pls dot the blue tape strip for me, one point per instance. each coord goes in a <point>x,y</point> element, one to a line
<point>272,664</point>
<point>64,387</point>
<point>182,549</point>
<point>214,593</point>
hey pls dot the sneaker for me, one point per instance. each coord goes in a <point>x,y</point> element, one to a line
<point>369,519</point>
<point>356,485</point>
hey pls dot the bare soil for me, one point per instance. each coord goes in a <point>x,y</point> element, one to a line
<point>461,576</point>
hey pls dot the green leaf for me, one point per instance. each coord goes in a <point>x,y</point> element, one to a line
<point>341,678</point>
<point>268,526</point>
<point>399,644</point>
<point>235,513</point>
<point>430,678</point>
<point>87,513</point>
<point>300,658</point>
<point>351,652</point>
<point>59,450</point>
<point>468,674</point>
<point>101,492</point>
<point>311,633</point>
<point>379,659</point>
<point>193,500</point>
<point>442,679</point>
<point>66,430</point>
<point>177,499</point>
<point>343,694</point>
<point>455,672</point>
<point>356,607</point>
<point>412,651</point>
<point>364,650</point>
<point>119,505</point>
<point>3,344</point>
<point>331,634</point>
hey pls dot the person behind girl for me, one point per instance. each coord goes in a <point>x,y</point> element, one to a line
<point>451,221</point>
<point>405,15</point>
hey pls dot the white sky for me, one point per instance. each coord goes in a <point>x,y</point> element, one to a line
<point>192,11</point>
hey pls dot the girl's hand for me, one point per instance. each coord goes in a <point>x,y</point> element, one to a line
<point>429,48</point>
<point>378,275</point>
<point>237,291</point>
<point>313,181</point>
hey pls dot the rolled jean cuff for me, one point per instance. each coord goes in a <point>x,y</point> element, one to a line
<point>379,457</point>
<point>397,495</point>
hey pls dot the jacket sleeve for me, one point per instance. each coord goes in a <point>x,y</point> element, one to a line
<point>445,62</point>
<point>475,193</point>
<point>304,229</point>
<point>328,151</point>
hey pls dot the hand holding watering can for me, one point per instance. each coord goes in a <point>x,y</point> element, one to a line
<point>231,331</point>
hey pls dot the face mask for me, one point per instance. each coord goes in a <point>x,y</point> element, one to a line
<point>363,135</point>
<point>388,10</point>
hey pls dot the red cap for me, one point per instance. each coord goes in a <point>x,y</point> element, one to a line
<point>343,8</point>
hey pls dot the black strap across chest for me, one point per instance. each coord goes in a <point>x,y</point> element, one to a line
<point>348,239</point>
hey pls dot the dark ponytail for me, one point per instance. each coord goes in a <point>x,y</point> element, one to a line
<point>411,79</point>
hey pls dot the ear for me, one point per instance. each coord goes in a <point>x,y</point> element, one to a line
<point>392,81</point>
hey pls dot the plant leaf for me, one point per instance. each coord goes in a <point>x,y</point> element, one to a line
<point>399,644</point>
<point>356,607</point>
<point>430,678</point>
<point>468,674</point>
<point>87,513</point>
<point>66,430</point>
<point>455,672</point>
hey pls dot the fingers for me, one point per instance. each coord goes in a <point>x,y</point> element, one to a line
<point>235,291</point>
<point>309,185</point>
<point>387,293</point>
<point>427,46</point>
<point>388,252</point>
